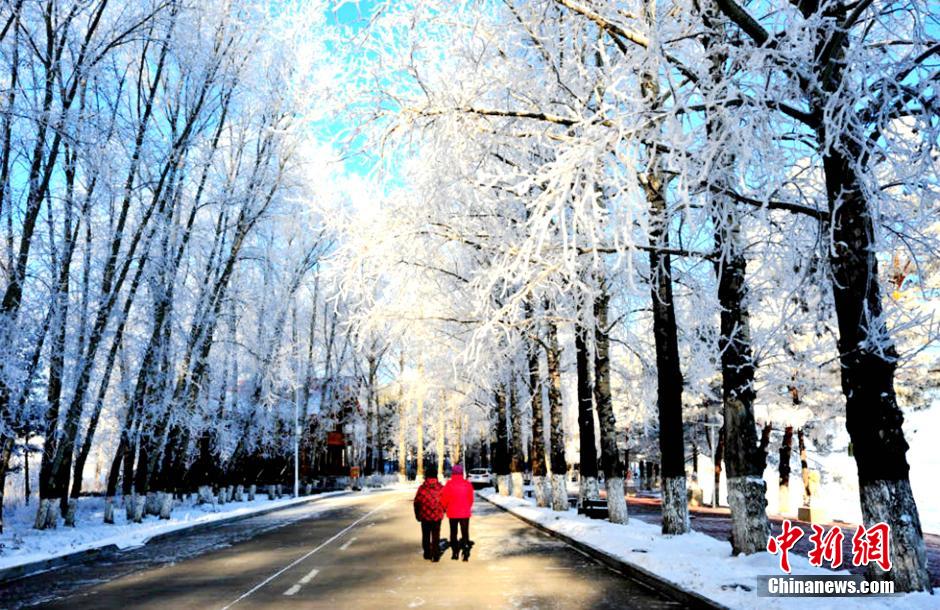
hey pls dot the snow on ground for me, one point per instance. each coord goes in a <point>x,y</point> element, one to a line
<point>699,562</point>
<point>21,544</point>
<point>922,429</point>
<point>838,490</point>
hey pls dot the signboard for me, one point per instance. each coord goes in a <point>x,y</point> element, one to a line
<point>335,439</point>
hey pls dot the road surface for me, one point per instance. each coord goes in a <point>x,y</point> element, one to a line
<point>359,551</point>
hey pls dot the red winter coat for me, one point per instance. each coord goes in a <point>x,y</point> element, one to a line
<point>428,501</point>
<point>457,497</point>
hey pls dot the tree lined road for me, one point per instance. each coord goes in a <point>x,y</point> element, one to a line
<point>361,551</point>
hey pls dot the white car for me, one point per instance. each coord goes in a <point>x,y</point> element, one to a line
<point>480,477</point>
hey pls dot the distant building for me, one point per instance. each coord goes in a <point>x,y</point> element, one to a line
<point>333,416</point>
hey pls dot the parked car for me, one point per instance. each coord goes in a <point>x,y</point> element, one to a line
<point>480,477</point>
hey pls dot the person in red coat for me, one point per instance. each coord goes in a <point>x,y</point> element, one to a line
<point>429,511</point>
<point>457,499</point>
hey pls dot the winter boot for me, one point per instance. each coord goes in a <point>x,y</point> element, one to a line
<point>467,545</point>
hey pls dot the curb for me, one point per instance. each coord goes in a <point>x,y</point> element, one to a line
<point>686,597</point>
<point>44,565</point>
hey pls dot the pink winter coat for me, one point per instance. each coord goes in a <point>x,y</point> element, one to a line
<point>457,497</point>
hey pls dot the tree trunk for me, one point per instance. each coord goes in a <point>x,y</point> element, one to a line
<point>420,426</point>
<point>370,415</point>
<point>402,445</point>
<point>537,448</point>
<point>765,440</point>
<point>27,491</point>
<point>873,418</point>
<point>457,452</point>
<point>866,352</point>
<point>402,440</point>
<point>668,370</point>
<point>517,461</point>
<point>719,457</point>
<point>804,469</point>
<point>588,449</point>
<point>610,452</point>
<point>557,433</point>
<point>786,449</point>
<point>116,344</point>
<point>743,458</point>
<point>440,440</point>
<point>6,450</point>
<point>48,483</point>
<point>501,450</point>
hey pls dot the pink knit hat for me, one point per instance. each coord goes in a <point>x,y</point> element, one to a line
<point>457,469</point>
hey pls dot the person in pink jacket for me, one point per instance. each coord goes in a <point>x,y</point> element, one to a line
<point>457,500</point>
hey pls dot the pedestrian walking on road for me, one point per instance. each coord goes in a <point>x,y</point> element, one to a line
<point>457,499</point>
<point>429,511</point>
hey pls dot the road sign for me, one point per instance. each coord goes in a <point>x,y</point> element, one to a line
<point>354,472</point>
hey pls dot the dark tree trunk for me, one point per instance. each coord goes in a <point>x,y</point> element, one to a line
<point>786,450</point>
<point>866,351</point>
<point>501,449</point>
<point>557,433</point>
<point>587,445</point>
<point>27,490</point>
<point>610,452</point>
<point>517,457</point>
<point>537,448</point>
<point>719,457</point>
<point>402,442</point>
<point>371,424</point>
<point>743,457</point>
<point>49,485</point>
<point>765,440</point>
<point>116,343</point>
<point>873,418</point>
<point>6,450</point>
<point>668,370</point>
<point>114,474</point>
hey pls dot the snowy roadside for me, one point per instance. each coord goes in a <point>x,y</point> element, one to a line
<point>695,562</point>
<point>21,544</point>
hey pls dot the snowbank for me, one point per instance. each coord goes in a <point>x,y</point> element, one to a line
<point>20,544</point>
<point>698,562</point>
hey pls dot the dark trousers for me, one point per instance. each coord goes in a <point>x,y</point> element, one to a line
<point>464,533</point>
<point>431,538</point>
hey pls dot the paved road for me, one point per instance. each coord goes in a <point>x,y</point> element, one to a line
<point>360,551</point>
